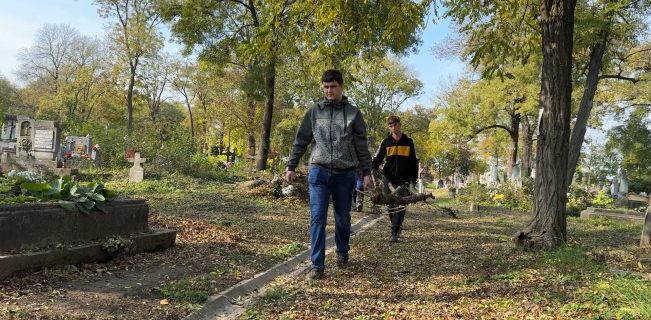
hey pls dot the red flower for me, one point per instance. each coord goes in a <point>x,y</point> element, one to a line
<point>95,148</point>
<point>68,154</point>
<point>85,156</point>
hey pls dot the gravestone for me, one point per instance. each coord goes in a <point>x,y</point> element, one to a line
<point>46,140</point>
<point>8,137</point>
<point>137,172</point>
<point>515,175</point>
<point>623,182</point>
<point>493,174</point>
<point>78,146</point>
<point>614,187</point>
<point>25,138</point>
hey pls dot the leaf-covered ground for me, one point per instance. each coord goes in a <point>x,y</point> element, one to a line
<point>461,268</point>
<point>224,235</point>
<point>466,268</point>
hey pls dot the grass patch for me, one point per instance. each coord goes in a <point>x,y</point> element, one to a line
<point>286,251</point>
<point>191,290</point>
<point>274,294</point>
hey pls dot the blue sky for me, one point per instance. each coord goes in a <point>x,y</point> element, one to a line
<point>20,19</point>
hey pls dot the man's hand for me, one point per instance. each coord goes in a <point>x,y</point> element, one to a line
<point>368,183</point>
<point>289,176</point>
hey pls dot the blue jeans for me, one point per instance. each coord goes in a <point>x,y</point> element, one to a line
<point>359,197</point>
<point>323,184</point>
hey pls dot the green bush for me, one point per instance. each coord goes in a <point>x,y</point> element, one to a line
<point>602,200</point>
<point>504,195</point>
<point>574,207</point>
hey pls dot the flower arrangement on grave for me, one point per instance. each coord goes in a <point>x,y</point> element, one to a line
<point>95,148</point>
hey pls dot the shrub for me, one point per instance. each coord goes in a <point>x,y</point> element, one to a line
<point>601,200</point>
<point>504,195</point>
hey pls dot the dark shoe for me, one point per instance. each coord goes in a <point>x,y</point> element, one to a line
<point>342,259</point>
<point>314,274</point>
<point>359,207</point>
<point>394,237</point>
<point>399,233</point>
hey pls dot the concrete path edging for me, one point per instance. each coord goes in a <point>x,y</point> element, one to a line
<point>221,304</point>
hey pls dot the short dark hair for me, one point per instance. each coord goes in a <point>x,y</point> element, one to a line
<point>332,75</point>
<point>393,119</point>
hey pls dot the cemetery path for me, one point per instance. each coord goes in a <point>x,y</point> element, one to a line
<point>462,268</point>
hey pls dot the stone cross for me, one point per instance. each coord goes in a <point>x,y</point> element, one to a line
<point>137,172</point>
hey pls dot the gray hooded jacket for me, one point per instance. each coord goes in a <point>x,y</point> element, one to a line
<point>337,132</point>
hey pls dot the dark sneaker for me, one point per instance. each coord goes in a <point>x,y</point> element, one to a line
<point>359,207</point>
<point>394,237</point>
<point>315,273</point>
<point>342,259</point>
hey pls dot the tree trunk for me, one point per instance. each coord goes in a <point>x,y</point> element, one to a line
<point>132,82</point>
<point>527,146</point>
<point>189,105</point>
<point>645,240</point>
<point>513,145</point>
<point>548,228</point>
<point>580,127</point>
<point>251,113</point>
<point>263,148</point>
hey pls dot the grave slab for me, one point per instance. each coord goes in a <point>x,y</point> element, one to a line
<point>20,263</point>
<point>34,225</point>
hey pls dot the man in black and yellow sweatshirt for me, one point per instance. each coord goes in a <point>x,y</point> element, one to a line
<point>400,168</point>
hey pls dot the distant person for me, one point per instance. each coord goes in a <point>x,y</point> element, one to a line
<point>421,177</point>
<point>337,132</point>
<point>401,167</point>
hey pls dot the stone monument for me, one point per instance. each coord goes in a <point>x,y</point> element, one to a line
<point>137,172</point>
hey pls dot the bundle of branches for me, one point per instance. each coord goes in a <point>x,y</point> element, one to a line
<point>273,189</point>
<point>396,197</point>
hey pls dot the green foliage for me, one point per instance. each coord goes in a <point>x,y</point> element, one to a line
<point>116,245</point>
<point>190,290</point>
<point>504,195</point>
<point>577,200</point>
<point>631,141</point>
<point>601,200</point>
<point>574,207</point>
<point>274,294</point>
<point>638,185</point>
<point>17,188</point>
<point>286,251</point>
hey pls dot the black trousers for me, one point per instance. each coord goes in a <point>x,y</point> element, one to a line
<point>397,217</point>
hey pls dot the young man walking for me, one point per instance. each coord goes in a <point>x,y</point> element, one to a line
<point>400,168</point>
<point>337,132</point>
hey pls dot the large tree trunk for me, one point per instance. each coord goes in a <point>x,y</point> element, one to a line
<point>132,82</point>
<point>251,114</point>
<point>263,148</point>
<point>580,127</point>
<point>548,228</point>
<point>513,145</point>
<point>527,146</point>
<point>645,240</point>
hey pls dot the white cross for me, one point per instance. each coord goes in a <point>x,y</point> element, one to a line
<point>137,160</point>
